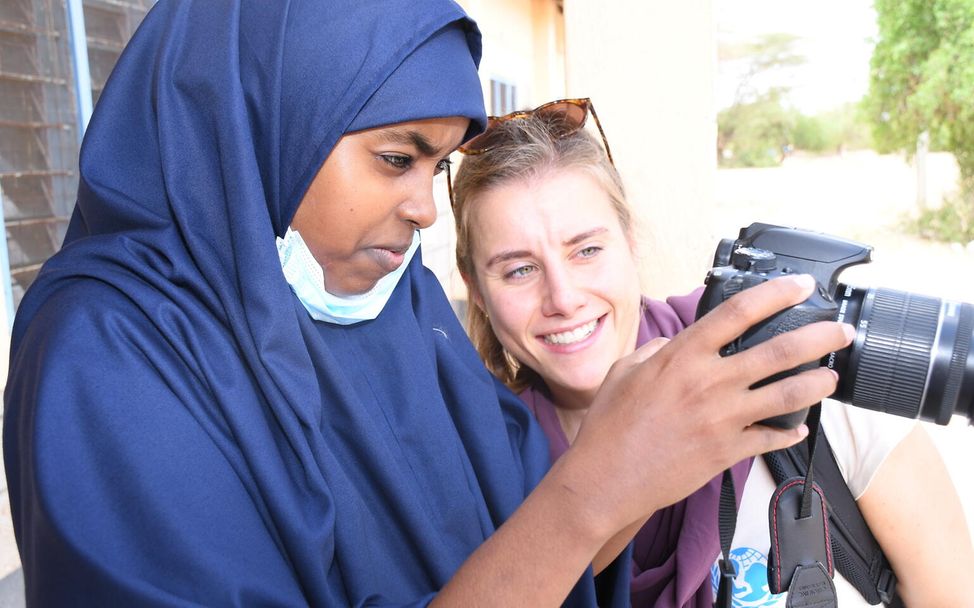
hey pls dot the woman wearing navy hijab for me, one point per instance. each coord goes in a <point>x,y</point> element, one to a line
<point>181,429</point>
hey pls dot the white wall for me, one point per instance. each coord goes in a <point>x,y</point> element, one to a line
<point>524,46</point>
<point>649,67</point>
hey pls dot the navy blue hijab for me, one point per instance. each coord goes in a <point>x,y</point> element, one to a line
<point>178,431</point>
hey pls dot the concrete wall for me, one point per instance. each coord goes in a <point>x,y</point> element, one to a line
<point>649,67</point>
<point>523,42</point>
<point>524,46</point>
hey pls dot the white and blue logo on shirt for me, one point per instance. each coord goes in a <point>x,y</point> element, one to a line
<point>751,580</point>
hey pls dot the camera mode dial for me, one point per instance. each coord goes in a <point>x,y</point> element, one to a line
<point>754,259</point>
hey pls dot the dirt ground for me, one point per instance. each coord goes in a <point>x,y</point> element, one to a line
<point>864,196</point>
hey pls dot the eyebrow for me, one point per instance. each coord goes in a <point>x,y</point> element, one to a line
<point>582,236</point>
<point>409,137</point>
<point>523,253</point>
<point>507,255</point>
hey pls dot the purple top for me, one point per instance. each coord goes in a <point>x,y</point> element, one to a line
<point>673,552</point>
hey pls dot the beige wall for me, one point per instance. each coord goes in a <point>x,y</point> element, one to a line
<point>649,67</point>
<point>524,46</point>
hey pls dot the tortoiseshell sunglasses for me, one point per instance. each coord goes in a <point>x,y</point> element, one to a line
<point>565,117</point>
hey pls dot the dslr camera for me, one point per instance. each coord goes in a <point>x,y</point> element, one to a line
<point>911,355</point>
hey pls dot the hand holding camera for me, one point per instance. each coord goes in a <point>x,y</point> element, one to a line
<point>685,413</point>
<point>911,355</point>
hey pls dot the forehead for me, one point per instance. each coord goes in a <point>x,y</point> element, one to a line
<point>551,206</point>
<point>430,137</point>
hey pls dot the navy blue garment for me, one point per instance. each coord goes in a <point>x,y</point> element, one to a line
<point>178,431</point>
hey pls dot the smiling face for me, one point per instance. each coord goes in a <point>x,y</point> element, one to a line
<point>371,194</point>
<point>556,273</point>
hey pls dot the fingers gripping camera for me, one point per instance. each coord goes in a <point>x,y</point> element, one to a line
<point>911,355</point>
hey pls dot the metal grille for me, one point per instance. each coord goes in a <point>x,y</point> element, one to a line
<point>39,121</point>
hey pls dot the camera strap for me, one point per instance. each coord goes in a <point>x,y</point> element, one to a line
<point>855,552</point>
<point>800,558</point>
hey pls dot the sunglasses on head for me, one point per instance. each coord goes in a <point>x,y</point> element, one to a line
<point>563,116</point>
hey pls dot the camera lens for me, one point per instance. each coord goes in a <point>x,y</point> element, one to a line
<point>911,356</point>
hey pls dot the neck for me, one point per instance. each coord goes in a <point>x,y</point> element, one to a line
<point>571,407</point>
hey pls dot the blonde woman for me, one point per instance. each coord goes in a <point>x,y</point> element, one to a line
<point>546,246</point>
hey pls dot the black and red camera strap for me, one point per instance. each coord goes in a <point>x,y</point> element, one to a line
<point>855,552</point>
<point>800,557</point>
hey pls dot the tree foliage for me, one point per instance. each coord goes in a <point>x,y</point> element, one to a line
<point>754,130</point>
<point>842,128</point>
<point>922,78</point>
<point>760,127</point>
<point>754,134</point>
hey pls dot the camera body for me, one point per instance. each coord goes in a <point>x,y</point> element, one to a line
<point>765,251</point>
<point>912,355</point>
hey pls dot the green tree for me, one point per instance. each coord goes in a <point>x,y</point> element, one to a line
<point>922,79</point>
<point>835,130</point>
<point>754,130</point>
<point>754,134</point>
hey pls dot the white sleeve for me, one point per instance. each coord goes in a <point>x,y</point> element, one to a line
<point>861,440</point>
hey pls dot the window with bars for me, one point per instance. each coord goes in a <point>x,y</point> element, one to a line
<point>39,118</point>
<point>108,26</point>
<point>503,97</point>
<point>38,133</point>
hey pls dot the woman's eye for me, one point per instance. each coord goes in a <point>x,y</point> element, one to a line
<point>442,166</point>
<point>589,251</point>
<point>520,272</point>
<point>399,161</point>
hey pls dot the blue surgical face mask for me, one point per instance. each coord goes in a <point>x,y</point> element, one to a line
<point>306,278</point>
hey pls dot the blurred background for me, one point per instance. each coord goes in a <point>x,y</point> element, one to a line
<point>850,117</point>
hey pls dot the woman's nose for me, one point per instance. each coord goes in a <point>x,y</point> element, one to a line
<point>563,296</point>
<point>420,206</point>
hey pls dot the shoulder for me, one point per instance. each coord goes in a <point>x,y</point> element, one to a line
<point>861,440</point>
<point>112,436</point>
<point>667,318</point>
<point>91,355</point>
<point>77,318</point>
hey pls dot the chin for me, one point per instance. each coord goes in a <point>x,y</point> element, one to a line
<point>357,288</point>
<point>582,385</point>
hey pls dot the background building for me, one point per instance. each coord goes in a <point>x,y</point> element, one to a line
<point>55,57</point>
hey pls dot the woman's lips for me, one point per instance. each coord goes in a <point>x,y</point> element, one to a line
<point>389,259</point>
<point>574,339</point>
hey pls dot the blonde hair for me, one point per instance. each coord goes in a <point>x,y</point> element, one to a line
<point>522,149</point>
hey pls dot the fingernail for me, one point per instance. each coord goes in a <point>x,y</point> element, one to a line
<point>849,331</point>
<point>805,281</point>
<point>802,431</point>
